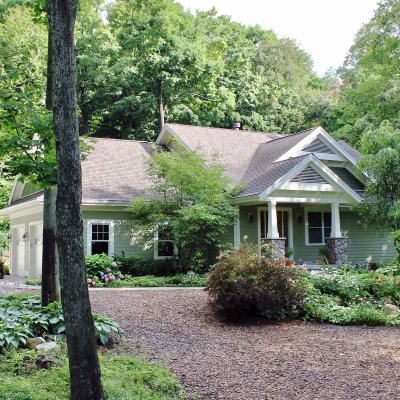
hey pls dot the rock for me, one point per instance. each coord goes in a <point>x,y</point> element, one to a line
<point>54,338</point>
<point>390,309</point>
<point>31,343</point>
<point>47,347</point>
<point>47,362</point>
<point>338,300</point>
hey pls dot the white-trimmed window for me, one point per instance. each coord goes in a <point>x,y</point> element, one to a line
<point>100,237</point>
<point>164,245</point>
<point>318,227</point>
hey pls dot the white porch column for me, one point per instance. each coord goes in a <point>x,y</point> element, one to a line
<point>236,233</point>
<point>272,221</point>
<point>335,232</point>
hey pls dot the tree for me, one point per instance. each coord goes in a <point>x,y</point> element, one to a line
<point>371,91</point>
<point>82,351</point>
<point>25,125</point>
<point>382,192</point>
<point>191,205</point>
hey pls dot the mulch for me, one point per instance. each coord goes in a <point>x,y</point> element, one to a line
<point>254,360</point>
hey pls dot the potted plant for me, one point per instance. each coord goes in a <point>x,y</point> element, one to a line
<point>324,252</point>
<point>289,251</point>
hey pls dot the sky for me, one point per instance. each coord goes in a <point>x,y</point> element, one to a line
<point>325,29</point>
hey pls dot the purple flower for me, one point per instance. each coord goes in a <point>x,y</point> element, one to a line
<point>114,264</point>
<point>88,280</point>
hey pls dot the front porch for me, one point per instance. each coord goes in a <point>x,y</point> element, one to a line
<point>305,227</point>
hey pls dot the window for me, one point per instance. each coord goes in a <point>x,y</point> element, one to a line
<point>164,245</point>
<point>100,237</point>
<point>318,227</point>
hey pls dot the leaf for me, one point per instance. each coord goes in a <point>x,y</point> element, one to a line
<point>103,338</point>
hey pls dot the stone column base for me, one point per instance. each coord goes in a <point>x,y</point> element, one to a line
<point>337,250</point>
<point>277,247</point>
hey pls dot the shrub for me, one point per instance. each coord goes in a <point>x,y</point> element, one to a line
<point>243,283</point>
<point>137,266</point>
<point>97,263</point>
<point>159,281</point>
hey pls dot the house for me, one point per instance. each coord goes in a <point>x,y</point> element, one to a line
<point>298,191</point>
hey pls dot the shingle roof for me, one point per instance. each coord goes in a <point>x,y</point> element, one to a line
<point>268,175</point>
<point>235,148</point>
<point>115,171</point>
<point>350,150</point>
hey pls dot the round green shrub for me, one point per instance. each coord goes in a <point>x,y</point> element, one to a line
<point>244,283</point>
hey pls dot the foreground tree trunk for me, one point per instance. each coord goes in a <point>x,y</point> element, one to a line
<point>82,350</point>
<point>50,278</point>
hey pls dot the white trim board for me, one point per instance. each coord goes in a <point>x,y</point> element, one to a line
<point>89,224</point>
<point>321,169</point>
<point>321,134</point>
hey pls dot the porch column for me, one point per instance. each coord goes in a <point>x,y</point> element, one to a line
<point>272,221</point>
<point>338,245</point>
<point>335,232</point>
<point>277,244</point>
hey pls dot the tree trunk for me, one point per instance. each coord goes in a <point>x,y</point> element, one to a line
<point>161,105</point>
<point>82,350</point>
<point>50,278</point>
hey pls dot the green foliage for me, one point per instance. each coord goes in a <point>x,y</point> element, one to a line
<point>137,266</point>
<point>33,281</point>
<point>184,280</point>
<point>243,283</point>
<point>381,163</point>
<point>323,308</point>
<point>370,76</point>
<point>123,378</point>
<point>21,318</point>
<point>348,297</point>
<point>97,263</point>
<point>192,204</point>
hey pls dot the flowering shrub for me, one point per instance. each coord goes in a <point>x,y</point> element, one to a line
<point>243,283</point>
<point>105,276</point>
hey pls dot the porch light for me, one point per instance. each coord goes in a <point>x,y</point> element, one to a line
<point>299,218</point>
<point>250,218</point>
<point>9,237</point>
<point>25,236</point>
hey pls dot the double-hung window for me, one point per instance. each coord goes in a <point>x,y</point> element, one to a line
<point>100,237</point>
<point>318,228</point>
<point>164,244</point>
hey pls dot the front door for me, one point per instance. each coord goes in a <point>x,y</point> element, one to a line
<point>284,224</point>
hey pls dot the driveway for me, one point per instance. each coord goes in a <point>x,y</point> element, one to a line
<point>290,360</point>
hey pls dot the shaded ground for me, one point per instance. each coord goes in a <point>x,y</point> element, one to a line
<point>293,360</point>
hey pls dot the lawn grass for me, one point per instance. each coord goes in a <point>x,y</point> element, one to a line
<point>123,377</point>
<point>180,280</point>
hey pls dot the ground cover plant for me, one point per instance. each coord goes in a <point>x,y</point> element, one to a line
<point>22,317</point>
<point>354,296</point>
<point>123,377</point>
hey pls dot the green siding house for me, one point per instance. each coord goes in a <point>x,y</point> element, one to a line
<point>298,191</point>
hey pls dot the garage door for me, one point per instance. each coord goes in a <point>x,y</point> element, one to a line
<point>35,250</point>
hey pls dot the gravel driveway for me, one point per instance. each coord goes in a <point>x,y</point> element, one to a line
<point>255,361</point>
